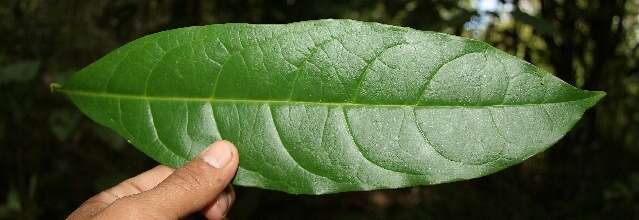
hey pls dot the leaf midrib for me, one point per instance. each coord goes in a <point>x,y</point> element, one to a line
<point>207,99</point>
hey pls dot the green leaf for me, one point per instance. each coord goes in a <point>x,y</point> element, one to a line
<point>329,106</point>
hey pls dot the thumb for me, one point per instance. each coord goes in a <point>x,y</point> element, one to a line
<point>190,188</point>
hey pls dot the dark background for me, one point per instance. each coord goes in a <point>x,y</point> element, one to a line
<point>53,158</point>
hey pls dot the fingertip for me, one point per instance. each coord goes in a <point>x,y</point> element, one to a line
<point>220,154</point>
<point>224,142</point>
<point>234,152</point>
<point>229,144</point>
<point>221,206</point>
<point>218,210</point>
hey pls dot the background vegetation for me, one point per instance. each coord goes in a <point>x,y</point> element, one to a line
<point>52,157</point>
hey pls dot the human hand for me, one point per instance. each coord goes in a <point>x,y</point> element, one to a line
<point>164,193</point>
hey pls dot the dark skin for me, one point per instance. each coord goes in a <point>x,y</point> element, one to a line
<point>201,185</point>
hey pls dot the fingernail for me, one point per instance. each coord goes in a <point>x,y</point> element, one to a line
<point>218,154</point>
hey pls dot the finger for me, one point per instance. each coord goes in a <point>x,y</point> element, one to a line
<point>189,188</point>
<point>221,206</point>
<point>142,182</point>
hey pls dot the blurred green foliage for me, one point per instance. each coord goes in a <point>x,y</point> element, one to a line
<point>53,158</point>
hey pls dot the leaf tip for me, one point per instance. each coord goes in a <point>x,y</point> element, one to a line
<point>599,94</point>
<point>595,97</point>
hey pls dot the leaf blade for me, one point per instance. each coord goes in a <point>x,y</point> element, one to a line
<point>374,101</point>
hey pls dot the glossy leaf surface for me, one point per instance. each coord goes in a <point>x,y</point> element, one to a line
<point>329,106</point>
